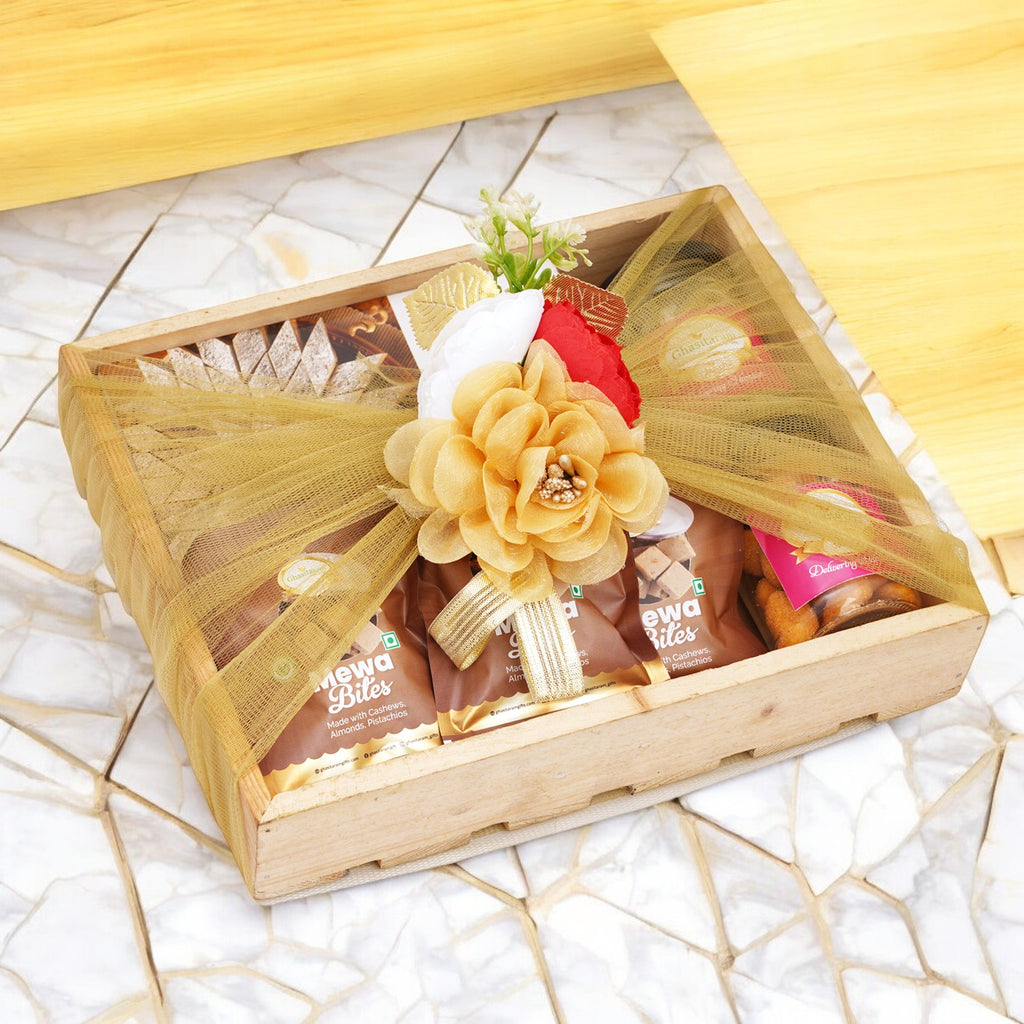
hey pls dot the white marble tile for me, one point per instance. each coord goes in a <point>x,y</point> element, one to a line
<point>757,806</point>
<point>551,861</point>
<point>999,886</point>
<point>152,763</point>
<point>609,968</point>
<point>943,742</point>
<point>501,869</point>
<point>233,997</point>
<point>757,895</point>
<point>427,229</point>
<point>22,380</point>
<point>289,251</point>
<point>246,230</point>
<point>868,931</point>
<point>853,806</point>
<point>645,863</point>
<point>196,909</point>
<point>997,674</point>
<point>67,940</point>
<point>932,874</point>
<point>186,263</point>
<point>23,342</point>
<point>402,163</point>
<point>426,939</point>
<point>705,162</point>
<point>20,1007</point>
<point>60,677</point>
<point>787,979</point>
<point>51,521</point>
<point>610,151</point>
<point>43,301</point>
<point>82,924</point>
<point>878,999</point>
<point>58,257</point>
<point>486,154</point>
<point>45,408</point>
<point>709,163</point>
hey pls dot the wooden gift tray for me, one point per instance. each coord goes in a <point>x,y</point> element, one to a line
<point>582,763</point>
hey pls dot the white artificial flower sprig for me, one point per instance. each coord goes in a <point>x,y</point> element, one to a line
<point>559,244</point>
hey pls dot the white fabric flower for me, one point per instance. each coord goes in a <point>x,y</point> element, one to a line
<point>497,329</point>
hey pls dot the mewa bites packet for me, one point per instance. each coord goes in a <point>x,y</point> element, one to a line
<point>613,647</point>
<point>688,573</point>
<point>375,704</point>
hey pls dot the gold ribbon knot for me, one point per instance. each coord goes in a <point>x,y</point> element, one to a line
<point>547,650</point>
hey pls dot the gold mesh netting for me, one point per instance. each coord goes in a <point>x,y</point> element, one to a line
<point>202,494</point>
<point>787,416</point>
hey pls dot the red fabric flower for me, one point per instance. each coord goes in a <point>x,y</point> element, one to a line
<point>589,356</point>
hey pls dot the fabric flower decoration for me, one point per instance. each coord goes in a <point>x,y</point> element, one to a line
<point>537,475</point>
<point>590,356</point>
<point>496,328</point>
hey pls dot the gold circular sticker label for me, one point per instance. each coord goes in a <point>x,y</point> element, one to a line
<point>806,544</point>
<point>298,575</point>
<point>283,668</point>
<point>705,347</point>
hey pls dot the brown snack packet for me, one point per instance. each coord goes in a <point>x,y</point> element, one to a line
<point>375,704</point>
<point>234,628</point>
<point>614,651</point>
<point>688,571</point>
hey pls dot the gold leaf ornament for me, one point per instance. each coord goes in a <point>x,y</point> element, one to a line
<point>604,310</point>
<point>440,297</point>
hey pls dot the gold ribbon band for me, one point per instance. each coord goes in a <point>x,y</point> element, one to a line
<point>469,619</point>
<point>547,650</point>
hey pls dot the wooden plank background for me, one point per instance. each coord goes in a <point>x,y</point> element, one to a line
<point>887,139</point>
<point>96,94</point>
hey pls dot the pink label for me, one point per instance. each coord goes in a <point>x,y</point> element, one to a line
<point>807,566</point>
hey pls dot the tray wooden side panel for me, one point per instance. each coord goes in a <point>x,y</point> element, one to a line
<point>554,765</point>
<point>142,568</point>
<point>612,235</point>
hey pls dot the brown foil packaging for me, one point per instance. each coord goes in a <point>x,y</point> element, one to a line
<point>614,650</point>
<point>688,590</point>
<point>374,705</point>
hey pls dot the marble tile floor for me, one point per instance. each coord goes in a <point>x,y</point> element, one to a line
<point>879,879</point>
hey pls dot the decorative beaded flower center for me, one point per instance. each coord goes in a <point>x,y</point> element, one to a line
<point>560,482</point>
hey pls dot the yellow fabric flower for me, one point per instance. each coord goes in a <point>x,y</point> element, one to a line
<point>537,475</point>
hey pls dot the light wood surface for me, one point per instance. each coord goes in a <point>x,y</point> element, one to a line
<point>1008,554</point>
<point>106,93</point>
<point>887,139</point>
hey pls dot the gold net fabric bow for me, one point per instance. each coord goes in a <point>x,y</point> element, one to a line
<point>206,493</point>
